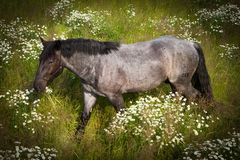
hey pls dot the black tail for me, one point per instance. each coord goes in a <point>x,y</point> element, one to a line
<point>201,79</point>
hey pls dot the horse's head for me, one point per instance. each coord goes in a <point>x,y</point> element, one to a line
<point>50,64</point>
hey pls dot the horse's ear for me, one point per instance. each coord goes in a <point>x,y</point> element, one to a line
<point>43,41</point>
<point>57,45</point>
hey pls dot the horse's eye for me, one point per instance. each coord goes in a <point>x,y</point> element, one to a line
<point>50,61</point>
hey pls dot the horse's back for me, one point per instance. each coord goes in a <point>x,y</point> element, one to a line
<point>173,45</point>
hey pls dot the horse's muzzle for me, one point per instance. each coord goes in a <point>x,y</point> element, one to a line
<point>40,85</point>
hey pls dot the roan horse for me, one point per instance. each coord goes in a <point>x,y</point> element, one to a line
<point>110,69</point>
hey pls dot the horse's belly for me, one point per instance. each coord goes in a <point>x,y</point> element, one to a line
<point>141,86</point>
<point>144,82</point>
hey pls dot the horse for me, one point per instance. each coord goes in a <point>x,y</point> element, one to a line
<point>111,69</point>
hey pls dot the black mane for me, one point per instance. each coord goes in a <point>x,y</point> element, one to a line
<point>87,46</point>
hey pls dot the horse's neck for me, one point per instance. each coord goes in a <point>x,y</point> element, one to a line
<point>82,65</point>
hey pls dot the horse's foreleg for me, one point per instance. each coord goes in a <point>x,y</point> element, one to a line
<point>117,101</point>
<point>89,101</point>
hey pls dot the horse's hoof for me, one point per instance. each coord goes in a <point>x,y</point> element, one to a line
<point>79,134</point>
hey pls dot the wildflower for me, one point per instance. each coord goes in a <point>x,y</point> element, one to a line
<point>48,90</point>
<point>195,132</point>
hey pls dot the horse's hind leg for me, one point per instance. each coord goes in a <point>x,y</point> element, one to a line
<point>117,101</point>
<point>186,89</point>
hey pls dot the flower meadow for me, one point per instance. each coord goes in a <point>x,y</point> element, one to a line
<point>224,14</point>
<point>230,51</point>
<point>156,124</point>
<point>161,121</point>
<point>34,153</point>
<point>20,38</point>
<point>227,148</point>
<point>57,10</point>
<point>93,20</point>
<point>25,107</point>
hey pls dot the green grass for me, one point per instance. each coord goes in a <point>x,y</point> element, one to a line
<point>66,101</point>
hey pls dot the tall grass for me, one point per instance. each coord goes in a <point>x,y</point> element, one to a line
<point>117,21</point>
